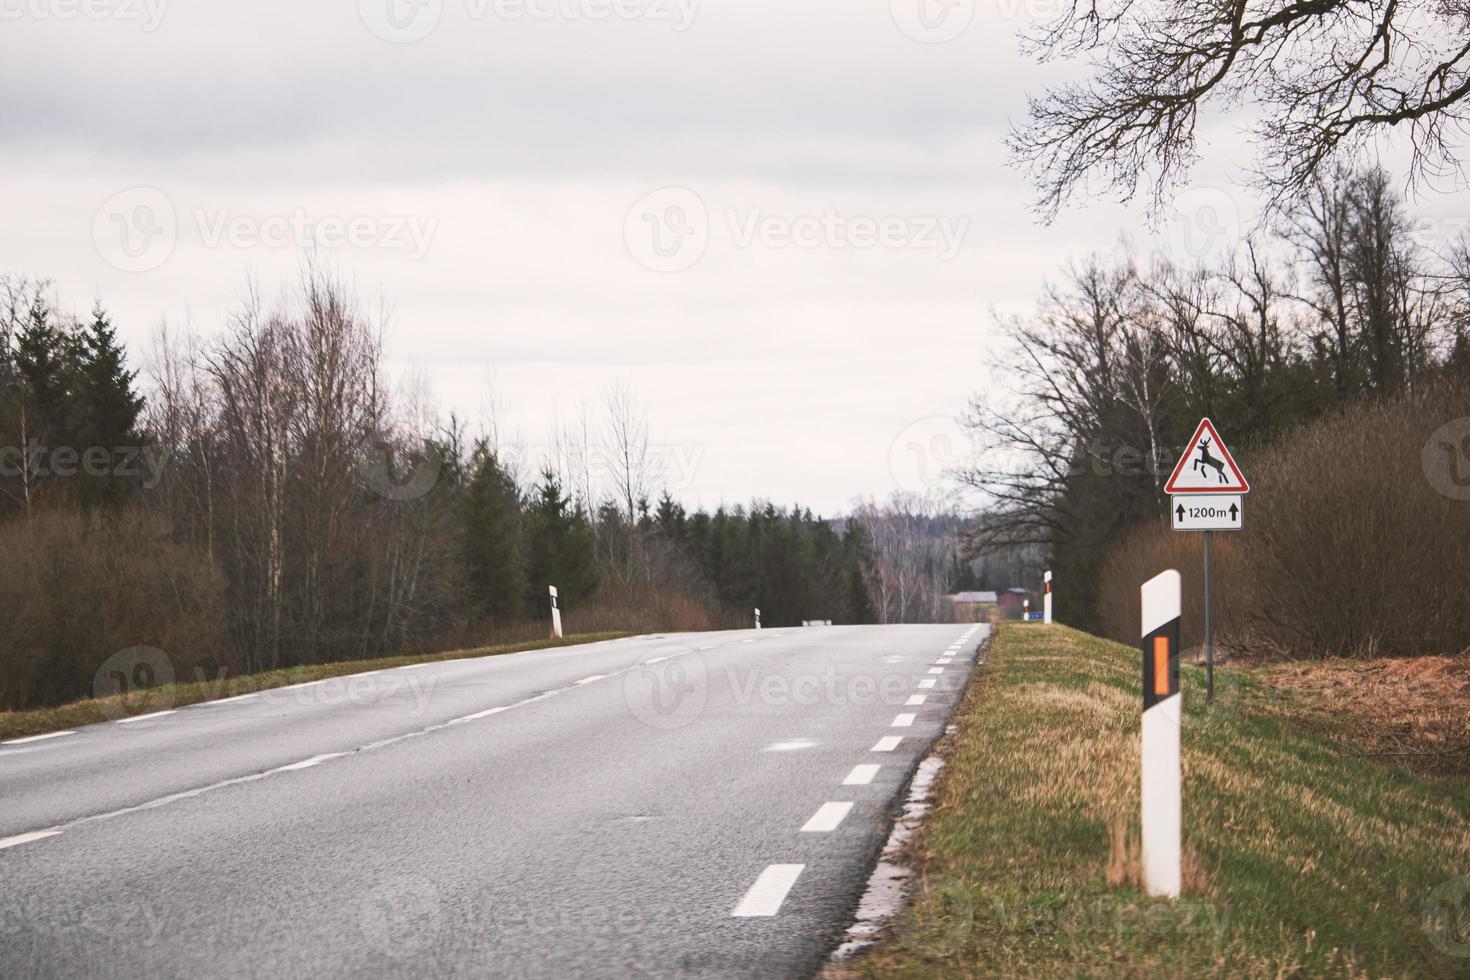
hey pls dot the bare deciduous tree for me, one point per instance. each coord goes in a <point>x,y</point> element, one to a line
<point>1326,76</point>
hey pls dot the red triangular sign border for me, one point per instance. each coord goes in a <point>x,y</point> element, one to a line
<point>1206,426</point>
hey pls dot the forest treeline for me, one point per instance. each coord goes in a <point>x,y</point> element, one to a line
<point>262,498</point>
<point>1333,306</point>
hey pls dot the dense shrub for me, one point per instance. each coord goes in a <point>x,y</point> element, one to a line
<point>79,588</point>
<point>1355,540</point>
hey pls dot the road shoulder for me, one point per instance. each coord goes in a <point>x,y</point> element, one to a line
<point>1299,858</point>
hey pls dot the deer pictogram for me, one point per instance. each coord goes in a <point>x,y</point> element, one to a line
<point>1206,461</point>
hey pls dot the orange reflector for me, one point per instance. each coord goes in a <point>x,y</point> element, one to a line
<point>1161,665</point>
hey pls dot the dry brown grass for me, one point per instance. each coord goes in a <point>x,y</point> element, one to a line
<point>1414,711</point>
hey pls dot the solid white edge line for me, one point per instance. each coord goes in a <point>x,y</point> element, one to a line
<point>36,738</point>
<point>887,743</point>
<point>155,714</point>
<point>829,817</point>
<point>19,839</point>
<point>915,700</point>
<point>589,680</point>
<point>903,721</point>
<point>862,775</point>
<point>927,683</point>
<point>765,896</point>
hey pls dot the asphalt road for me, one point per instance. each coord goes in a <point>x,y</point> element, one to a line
<point>660,806</point>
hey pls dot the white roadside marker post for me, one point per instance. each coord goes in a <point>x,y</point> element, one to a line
<point>555,616</point>
<point>1046,599</point>
<point>757,618</point>
<point>1161,719</point>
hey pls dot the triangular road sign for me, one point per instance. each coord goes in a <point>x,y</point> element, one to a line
<point>1207,466</point>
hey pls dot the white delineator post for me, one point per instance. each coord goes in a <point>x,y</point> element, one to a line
<point>555,616</point>
<point>757,619</point>
<point>1046,600</point>
<point>1161,719</point>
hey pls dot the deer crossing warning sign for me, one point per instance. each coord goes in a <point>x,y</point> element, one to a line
<point>1207,466</point>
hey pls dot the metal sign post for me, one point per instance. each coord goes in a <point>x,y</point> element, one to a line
<point>1207,492</point>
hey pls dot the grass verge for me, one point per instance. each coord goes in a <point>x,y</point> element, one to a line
<point>19,724</point>
<point>1301,859</point>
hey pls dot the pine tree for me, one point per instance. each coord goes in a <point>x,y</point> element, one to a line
<point>42,370</point>
<point>107,411</point>
<point>39,406</point>
<point>495,557</point>
<point>559,548</point>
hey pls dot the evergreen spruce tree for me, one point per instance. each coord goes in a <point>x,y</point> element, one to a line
<point>559,548</point>
<point>495,557</point>
<point>40,404</point>
<point>107,411</point>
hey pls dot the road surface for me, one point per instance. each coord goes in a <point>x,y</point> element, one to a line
<point>702,804</point>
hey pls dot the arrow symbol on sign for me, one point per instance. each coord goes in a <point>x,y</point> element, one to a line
<point>1234,512</point>
<point>1180,512</point>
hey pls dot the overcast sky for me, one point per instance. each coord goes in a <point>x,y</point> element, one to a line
<point>785,223</point>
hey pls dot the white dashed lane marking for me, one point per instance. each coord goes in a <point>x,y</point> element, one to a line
<point>769,891</point>
<point>926,683</point>
<point>936,670</point>
<point>790,745</point>
<point>19,839</point>
<point>861,775</point>
<point>827,818</point>
<point>914,701</point>
<point>887,743</point>
<point>903,721</point>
